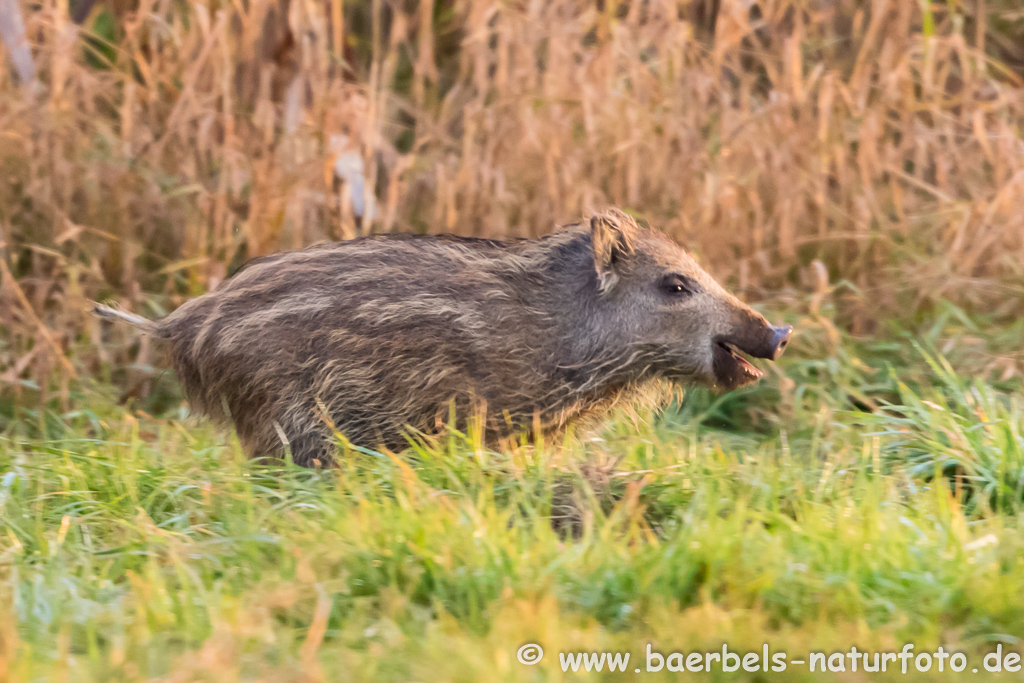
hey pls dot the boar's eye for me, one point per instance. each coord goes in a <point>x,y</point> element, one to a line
<point>679,285</point>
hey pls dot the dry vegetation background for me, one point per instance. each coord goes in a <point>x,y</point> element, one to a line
<point>873,145</point>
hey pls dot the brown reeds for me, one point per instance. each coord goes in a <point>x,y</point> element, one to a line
<point>166,142</point>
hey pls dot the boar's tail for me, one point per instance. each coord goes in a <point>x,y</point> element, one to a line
<point>113,313</point>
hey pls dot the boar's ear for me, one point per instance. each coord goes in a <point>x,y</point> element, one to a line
<point>613,235</point>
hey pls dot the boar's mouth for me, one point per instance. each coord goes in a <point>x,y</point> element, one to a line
<point>732,370</point>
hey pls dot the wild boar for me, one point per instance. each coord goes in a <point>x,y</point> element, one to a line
<point>382,337</point>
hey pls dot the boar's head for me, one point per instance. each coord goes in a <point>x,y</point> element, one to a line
<point>654,296</point>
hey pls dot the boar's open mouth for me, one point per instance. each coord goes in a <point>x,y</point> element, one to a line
<point>731,368</point>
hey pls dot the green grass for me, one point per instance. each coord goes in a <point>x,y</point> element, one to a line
<point>866,494</point>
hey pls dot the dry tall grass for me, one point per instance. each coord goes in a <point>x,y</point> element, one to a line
<point>879,138</point>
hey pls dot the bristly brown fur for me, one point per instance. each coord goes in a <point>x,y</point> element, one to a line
<point>387,333</point>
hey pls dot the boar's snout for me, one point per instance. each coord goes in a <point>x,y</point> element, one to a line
<point>754,337</point>
<point>780,339</point>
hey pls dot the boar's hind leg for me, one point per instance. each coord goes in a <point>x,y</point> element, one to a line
<point>312,449</point>
<point>310,445</point>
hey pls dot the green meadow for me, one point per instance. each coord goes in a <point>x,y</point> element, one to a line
<point>868,494</point>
